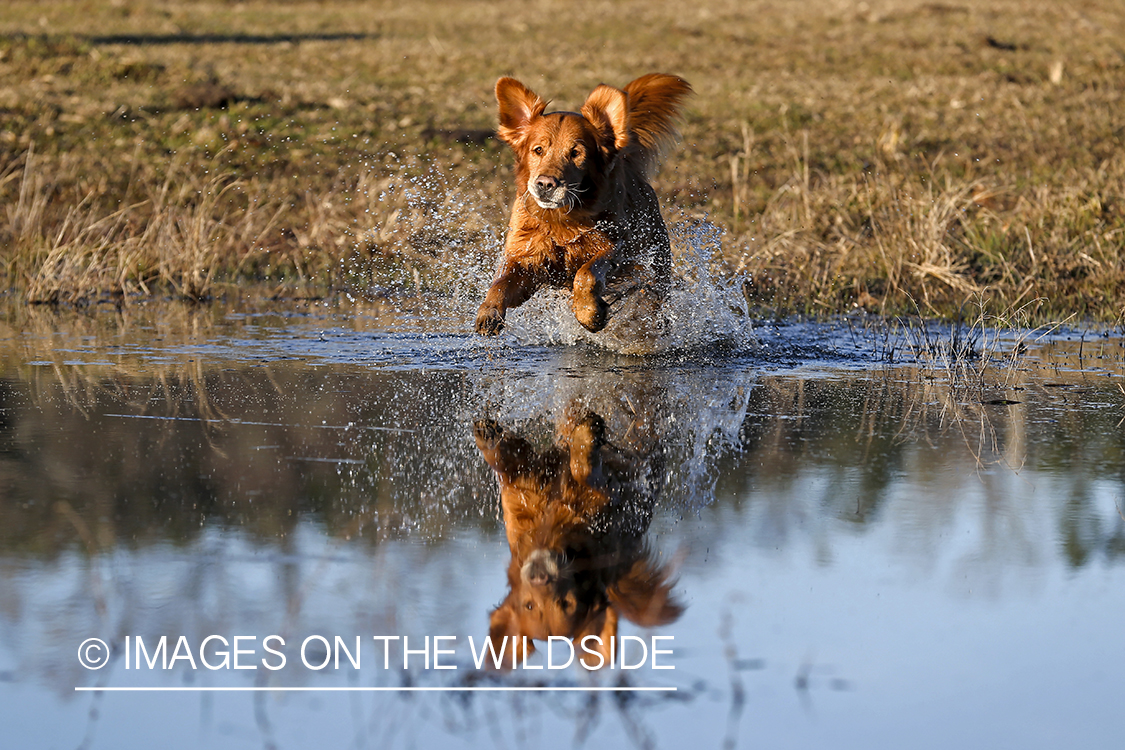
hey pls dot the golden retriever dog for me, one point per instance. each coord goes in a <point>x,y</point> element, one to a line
<point>575,516</point>
<point>585,216</point>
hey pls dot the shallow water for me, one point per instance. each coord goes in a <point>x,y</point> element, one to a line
<point>868,548</point>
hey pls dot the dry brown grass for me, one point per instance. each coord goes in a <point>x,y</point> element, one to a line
<point>894,155</point>
<point>176,237</point>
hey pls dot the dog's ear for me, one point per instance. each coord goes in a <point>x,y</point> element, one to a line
<point>607,109</point>
<point>604,626</point>
<point>504,622</point>
<point>519,105</point>
<point>644,594</point>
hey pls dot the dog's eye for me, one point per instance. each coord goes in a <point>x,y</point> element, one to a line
<point>538,150</point>
<point>530,606</point>
<point>574,153</point>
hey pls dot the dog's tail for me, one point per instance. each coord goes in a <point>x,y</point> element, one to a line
<point>655,105</point>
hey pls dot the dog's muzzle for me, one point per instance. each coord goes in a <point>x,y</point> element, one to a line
<point>540,569</point>
<point>548,192</point>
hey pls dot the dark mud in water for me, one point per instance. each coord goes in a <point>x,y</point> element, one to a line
<point>858,534</point>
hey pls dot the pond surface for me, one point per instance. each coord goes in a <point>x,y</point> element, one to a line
<point>822,536</point>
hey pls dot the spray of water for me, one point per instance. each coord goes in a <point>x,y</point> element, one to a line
<point>679,405</point>
<point>442,239</point>
<point>690,414</point>
<point>702,310</point>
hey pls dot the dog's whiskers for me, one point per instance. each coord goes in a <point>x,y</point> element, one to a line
<point>573,194</point>
<point>526,196</point>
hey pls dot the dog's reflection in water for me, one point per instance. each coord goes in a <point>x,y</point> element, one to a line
<point>575,515</point>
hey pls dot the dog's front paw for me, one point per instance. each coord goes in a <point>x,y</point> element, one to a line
<point>490,321</point>
<point>592,313</point>
<point>590,429</point>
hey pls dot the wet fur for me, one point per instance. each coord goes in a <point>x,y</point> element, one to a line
<point>575,517</point>
<point>585,216</point>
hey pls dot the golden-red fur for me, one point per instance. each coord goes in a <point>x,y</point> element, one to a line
<point>585,215</point>
<point>575,517</point>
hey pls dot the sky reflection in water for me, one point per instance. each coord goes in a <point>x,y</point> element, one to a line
<point>865,554</point>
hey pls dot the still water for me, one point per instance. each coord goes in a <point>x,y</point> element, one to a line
<point>824,536</point>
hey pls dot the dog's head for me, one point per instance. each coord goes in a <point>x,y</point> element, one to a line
<point>548,596</point>
<point>563,157</point>
<point>551,595</point>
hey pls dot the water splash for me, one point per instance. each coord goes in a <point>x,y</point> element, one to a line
<point>689,414</point>
<point>442,237</point>
<point>433,235</point>
<point>702,310</point>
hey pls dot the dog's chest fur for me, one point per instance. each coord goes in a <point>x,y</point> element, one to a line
<point>558,249</point>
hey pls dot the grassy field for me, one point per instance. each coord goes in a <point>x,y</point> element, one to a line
<point>898,156</point>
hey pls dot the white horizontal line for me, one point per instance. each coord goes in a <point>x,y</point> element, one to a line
<point>506,689</point>
<point>244,422</point>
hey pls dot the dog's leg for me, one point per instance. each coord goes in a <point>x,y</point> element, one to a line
<point>510,456</point>
<point>589,303</point>
<point>513,286</point>
<point>585,462</point>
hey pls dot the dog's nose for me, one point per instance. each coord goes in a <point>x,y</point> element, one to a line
<point>537,573</point>
<point>540,568</point>
<point>543,183</point>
